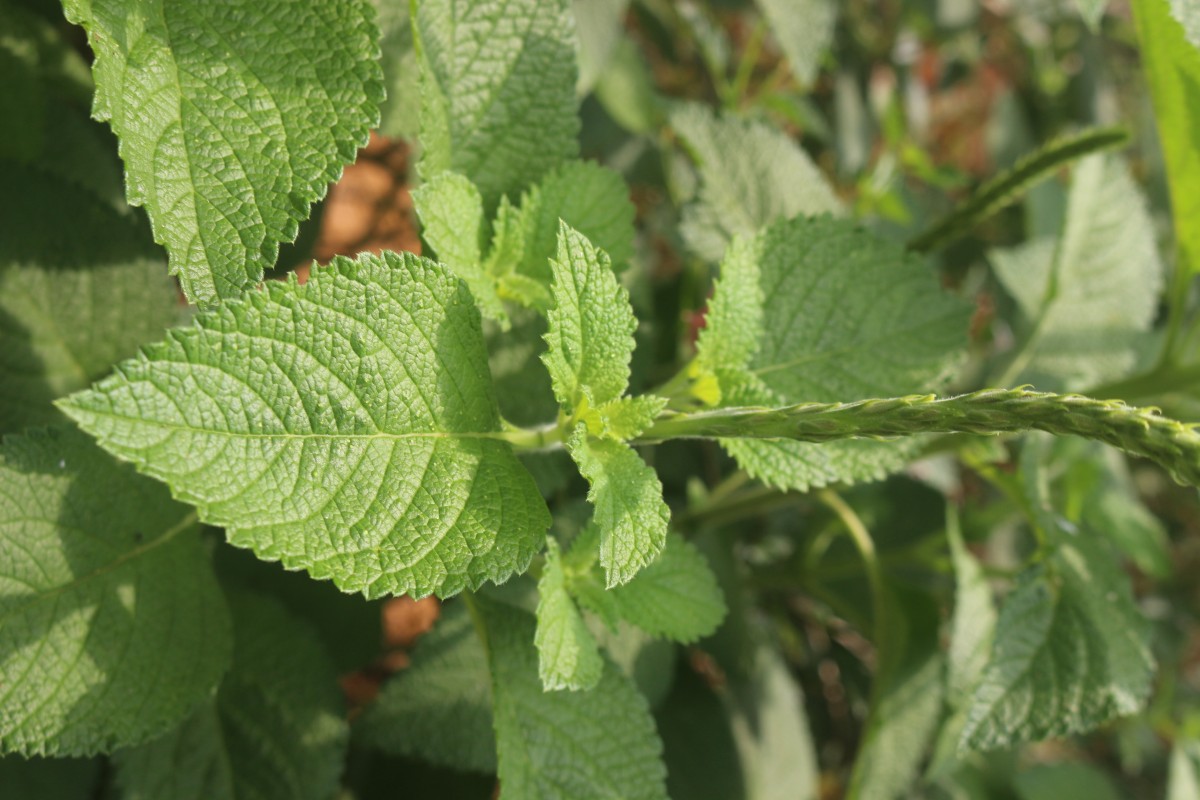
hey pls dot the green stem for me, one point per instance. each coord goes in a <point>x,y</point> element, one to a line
<point>1141,431</point>
<point>1008,187</point>
<point>866,549</point>
<point>546,437</point>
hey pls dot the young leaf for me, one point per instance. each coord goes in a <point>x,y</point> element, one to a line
<point>346,427</point>
<point>439,709</point>
<point>825,333</point>
<point>1070,653</point>
<point>628,498</point>
<point>804,30</point>
<point>497,91</point>
<point>113,625</point>
<point>1172,68</point>
<point>228,139</point>
<point>451,213</point>
<point>70,306</point>
<point>590,341</point>
<point>676,597</point>
<point>752,175</point>
<point>1093,294</point>
<point>567,654</point>
<point>276,729</point>
<point>592,200</point>
<point>608,731</point>
<point>624,418</point>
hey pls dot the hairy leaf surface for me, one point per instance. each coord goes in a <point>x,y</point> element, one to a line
<point>590,341</point>
<point>275,731</point>
<point>628,499</point>
<point>568,657</point>
<point>233,117</point>
<point>1070,653</point>
<point>73,305</point>
<point>676,597</point>
<point>825,332</point>
<point>752,175</point>
<point>608,731</point>
<point>497,91</point>
<point>1093,293</point>
<point>346,427</point>
<point>592,199</point>
<point>451,213</point>
<point>439,709</point>
<point>112,627</point>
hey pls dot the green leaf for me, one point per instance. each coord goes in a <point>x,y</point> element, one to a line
<point>825,333</point>
<point>276,729</point>
<point>1070,653</point>
<point>676,597</point>
<point>804,31</point>
<point>1171,64</point>
<point>439,709</point>
<point>608,731</point>
<point>1066,779</point>
<point>497,91</point>
<point>1184,777</point>
<point>598,23</point>
<point>70,306</point>
<point>1092,11</point>
<point>592,200</point>
<point>568,657</point>
<point>113,627</point>
<point>1090,296</point>
<point>628,499</point>
<point>590,340</point>
<point>233,118</point>
<point>746,739</point>
<point>400,111</point>
<point>624,418</point>
<point>752,175</point>
<point>346,427</point>
<point>451,213</point>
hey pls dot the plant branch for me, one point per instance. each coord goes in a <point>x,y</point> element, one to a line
<point>1142,431</point>
<point>1008,187</point>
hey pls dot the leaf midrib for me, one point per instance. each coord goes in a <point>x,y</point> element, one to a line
<point>186,522</point>
<point>79,411</point>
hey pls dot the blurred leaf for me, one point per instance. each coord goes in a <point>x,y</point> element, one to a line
<point>804,30</point>
<point>438,709</point>
<point>1184,776</point>
<point>906,698</point>
<point>1090,297</point>
<point>598,23</point>
<point>752,175</point>
<point>1172,68</point>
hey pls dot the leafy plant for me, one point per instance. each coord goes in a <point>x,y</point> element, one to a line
<point>657,545</point>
